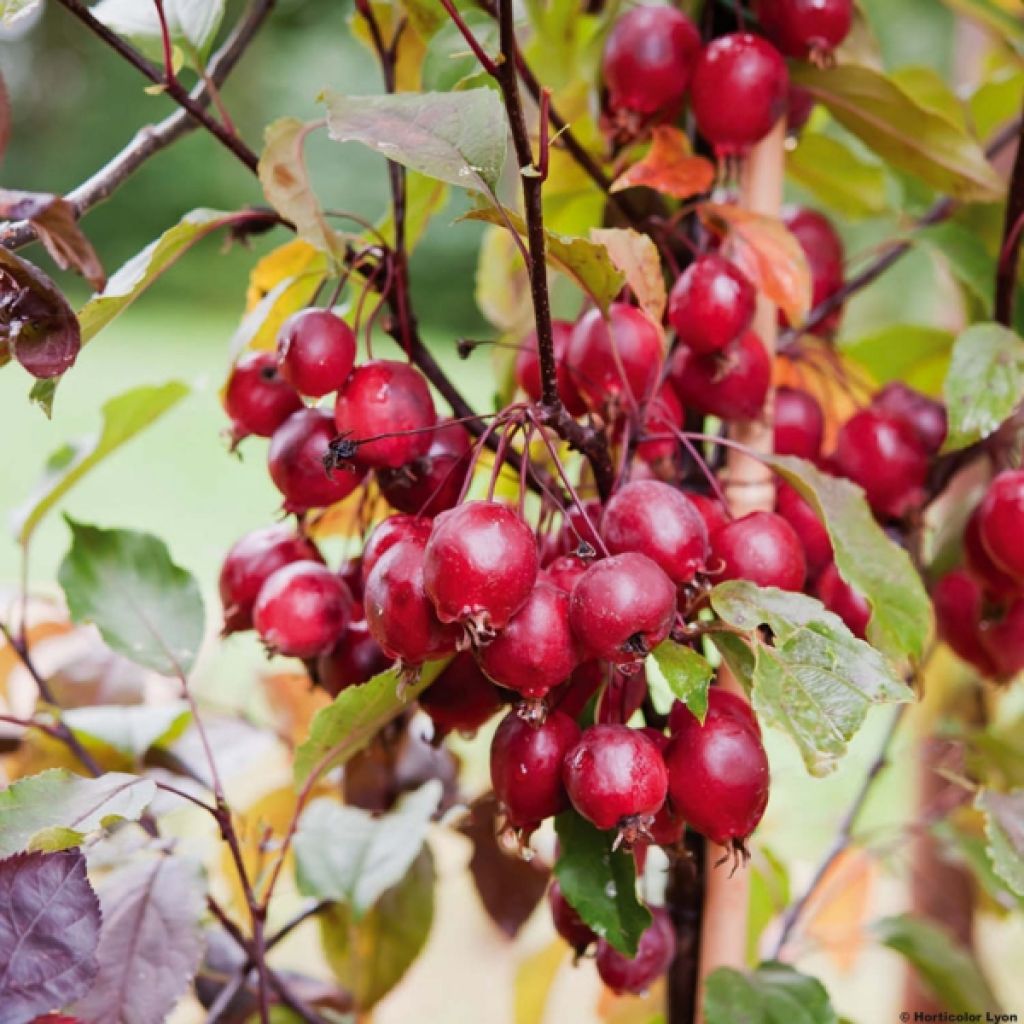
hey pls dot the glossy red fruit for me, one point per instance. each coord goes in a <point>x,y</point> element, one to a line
<point>809,528</point>
<point>433,482</point>
<point>351,572</point>
<point>615,777</point>
<point>355,659</point>
<point>1003,639</point>
<point>316,351</point>
<point>387,533</point>
<point>799,107</point>
<point>257,398</point>
<point>663,416</point>
<point>718,779</point>
<point>462,698</point>
<point>526,766</point>
<point>996,583</point>
<point>567,921</point>
<point>573,696</point>
<point>564,571</point>
<point>711,304</point>
<point>582,529</point>
<point>799,424</point>
<point>958,600</point>
<point>386,397</point>
<point>884,455</point>
<point>399,614</point>
<point>249,562</point>
<point>711,510</point>
<point>825,255</point>
<point>481,565</point>
<point>302,610</point>
<point>653,956</point>
<point>296,462</point>
<point>623,695</point>
<point>648,60</point>
<point>1001,522</point>
<point>926,416</point>
<point>615,363</point>
<point>800,28</point>
<point>840,598</point>
<point>739,91</point>
<point>528,368</point>
<point>622,607</point>
<point>721,704</point>
<point>659,521</point>
<point>761,547</point>
<point>536,650</point>
<point>667,829</point>
<point>732,385</point>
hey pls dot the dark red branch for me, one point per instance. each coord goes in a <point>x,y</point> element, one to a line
<point>172,87</point>
<point>152,138</point>
<point>1009,251</point>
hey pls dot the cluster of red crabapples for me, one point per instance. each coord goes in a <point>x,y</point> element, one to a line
<point>980,606</point>
<point>738,84</point>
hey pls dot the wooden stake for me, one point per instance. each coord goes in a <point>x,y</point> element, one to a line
<point>749,487</point>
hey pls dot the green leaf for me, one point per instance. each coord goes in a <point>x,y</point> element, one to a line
<point>913,353</point>
<point>12,11</point>
<point>598,883</point>
<point>146,607</point>
<point>425,16</point>
<point>684,673</point>
<point>907,135</point>
<point>343,728</point>
<point>984,384</point>
<point>369,956</point>
<point>123,417</point>
<point>967,257</point>
<point>132,729</point>
<point>925,86</point>
<point>124,287</point>
<point>962,845</point>
<point>817,680</point>
<point>946,968</point>
<point>1004,829</point>
<point>458,137</point>
<point>285,180</point>
<point>773,994</point>
<point>449,63</point>
<point>192,24</point>
<point>585,262</point>
<point>347,855</point>
<point>873,564</point>
<point>835,175</point>
<point>42,394</point>
<point>55,809</point>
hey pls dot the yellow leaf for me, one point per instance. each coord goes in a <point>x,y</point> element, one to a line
<point>767,252</point>
<point>637,257</point>
<point>261,325</point>
<point>669,167</point>
<point>293,701</point>
<point>534,979</point>
<point>502,287</point>
<point>627,1009</point>
<point>411,46</point>
<point>351,517</point>
<point>285,261</point>
<point>838,922</point>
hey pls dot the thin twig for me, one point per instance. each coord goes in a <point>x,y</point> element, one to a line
<point>843,837</point>
<point>152,138</point>
<point>1009,250</point>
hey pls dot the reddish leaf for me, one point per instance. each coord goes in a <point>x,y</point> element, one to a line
<point>151,943</point>
<point>637,257</point>
<point>49,930</point>
<point>669,167</point>
<point>509,888</point>
<point>57,227</point>
<point>36,321</point>
<point>767,252</point>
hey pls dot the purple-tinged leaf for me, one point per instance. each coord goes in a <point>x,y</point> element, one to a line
<point>36,321</point>
<point>151,943</point>
<point>49,930</point>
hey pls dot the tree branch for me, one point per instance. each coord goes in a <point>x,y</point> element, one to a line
<point>591,443</point>
<point>172,87</point>
<point>1009,250</point>
<point>152,138</point>
<point>940,211</point>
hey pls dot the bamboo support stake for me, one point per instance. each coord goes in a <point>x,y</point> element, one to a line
<point>748,488</point>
